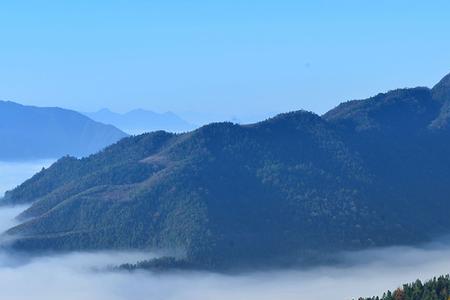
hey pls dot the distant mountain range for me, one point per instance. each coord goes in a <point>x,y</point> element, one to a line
<point>28,132</point>
<point>368,173</point>
<point>140,121</point>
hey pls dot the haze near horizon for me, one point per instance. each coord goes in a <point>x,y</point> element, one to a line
<point>217,61</point>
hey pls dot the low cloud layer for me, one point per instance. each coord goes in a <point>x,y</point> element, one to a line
<point>73,277</point>
<point>14,173</point>
<point>7,216</point>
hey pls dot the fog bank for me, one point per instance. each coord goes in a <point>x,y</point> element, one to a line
<point>14,173</point>
<point>72,277</point>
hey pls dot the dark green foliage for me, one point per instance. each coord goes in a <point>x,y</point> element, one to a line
<point>368,173</point>
<point>159,265</point>
<point>434,289</point>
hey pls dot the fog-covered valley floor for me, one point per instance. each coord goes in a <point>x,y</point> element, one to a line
<point>76,276</point>
<point>73,276</point>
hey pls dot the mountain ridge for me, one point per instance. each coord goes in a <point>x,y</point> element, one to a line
<point>30,132</point>
<point>138,121</point>
<point>368,173</point>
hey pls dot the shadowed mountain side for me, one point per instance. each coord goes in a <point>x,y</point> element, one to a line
<point>368,173</point>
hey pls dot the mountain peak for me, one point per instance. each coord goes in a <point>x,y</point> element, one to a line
<point>441,91</point>
<point>445,81</point>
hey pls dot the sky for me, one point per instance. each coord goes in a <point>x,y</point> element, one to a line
<point>218,59</point>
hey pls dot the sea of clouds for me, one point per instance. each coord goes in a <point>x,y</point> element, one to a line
<point>76,276</point>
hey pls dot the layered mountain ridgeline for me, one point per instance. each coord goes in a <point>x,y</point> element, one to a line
<point>28,132</point>
<point>140,121</point>
<point>221,193</point>
<point>434,289</point>
<point>368,173</point>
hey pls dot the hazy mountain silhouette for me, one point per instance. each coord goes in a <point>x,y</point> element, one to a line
<point>28,132</point>
<point>368,173</point>
<point>140,121</point>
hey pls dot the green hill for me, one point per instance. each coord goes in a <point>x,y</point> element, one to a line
<point>368,173</point>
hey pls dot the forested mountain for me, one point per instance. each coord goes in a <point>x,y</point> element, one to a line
<point>434,289</point>
<point>368,173</point>
<point>28,132</point>
<point>139,121</point>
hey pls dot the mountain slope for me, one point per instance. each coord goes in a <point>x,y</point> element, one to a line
<point>193,202</point>
<point>29,132</point>
<point>368,173</point>
<point>408,156</point>
<point>139,121</point>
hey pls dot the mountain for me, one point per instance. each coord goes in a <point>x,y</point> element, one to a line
<point>139,121</point>
<point>293,188</point>
<point>29,132</point>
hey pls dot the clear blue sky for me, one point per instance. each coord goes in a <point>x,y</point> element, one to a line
<point>218,58</point>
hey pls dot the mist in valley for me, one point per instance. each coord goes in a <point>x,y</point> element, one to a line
<point>14,173</point>
<point>76,276</point>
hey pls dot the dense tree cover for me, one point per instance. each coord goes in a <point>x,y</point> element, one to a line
<point>434,289</point>
<point>297,186</point>
<point>28,132</point>
<point>158,265</point>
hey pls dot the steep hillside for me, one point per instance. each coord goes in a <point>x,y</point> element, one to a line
<point>368,173</point>
<point>29,132</point>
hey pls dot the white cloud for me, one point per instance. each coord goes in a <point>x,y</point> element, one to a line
<point>71,276</point>
<point>14,173</point>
